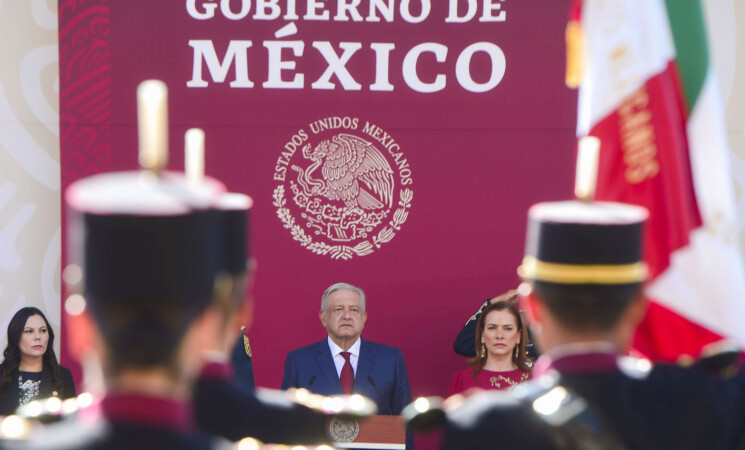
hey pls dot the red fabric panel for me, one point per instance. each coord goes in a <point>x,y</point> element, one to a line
<point>478,160</point>
<point>667,336</point>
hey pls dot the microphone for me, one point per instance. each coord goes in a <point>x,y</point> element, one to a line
<point>312,379</point>
<point>388,406</point>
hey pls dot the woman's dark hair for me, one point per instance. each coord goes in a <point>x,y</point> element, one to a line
<point>12,353</point>
<point>503,302</point>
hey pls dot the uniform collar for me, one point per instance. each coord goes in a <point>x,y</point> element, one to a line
<point>156,412</point>
<point>217,370</point>
<point>585,357</point>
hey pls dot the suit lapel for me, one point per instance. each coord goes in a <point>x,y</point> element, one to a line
<point>364,367</point>
<point>326,364</point>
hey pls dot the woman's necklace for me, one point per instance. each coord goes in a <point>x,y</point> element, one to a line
<point>28,389</point>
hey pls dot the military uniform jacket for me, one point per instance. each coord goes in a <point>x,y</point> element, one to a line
<point>612,402</point>
<point>124,422</point>
<point>225,408</point>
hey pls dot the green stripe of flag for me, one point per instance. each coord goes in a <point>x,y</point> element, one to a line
<point>692,55</point>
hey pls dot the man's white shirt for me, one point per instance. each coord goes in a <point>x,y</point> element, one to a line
<point>339,360</point>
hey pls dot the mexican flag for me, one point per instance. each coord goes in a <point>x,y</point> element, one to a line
<point>648,92</point>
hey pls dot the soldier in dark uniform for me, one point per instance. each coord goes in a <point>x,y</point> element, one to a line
<point>584,273</point>
<point>242,360</point>
<point>146,244</point>
<point>223,406</point>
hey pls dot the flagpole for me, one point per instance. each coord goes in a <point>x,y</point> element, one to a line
<point>586,178</point>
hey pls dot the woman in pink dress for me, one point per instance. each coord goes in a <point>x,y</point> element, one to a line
<point>501,339</point>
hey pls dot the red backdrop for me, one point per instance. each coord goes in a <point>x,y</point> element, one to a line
<point>477,160</point>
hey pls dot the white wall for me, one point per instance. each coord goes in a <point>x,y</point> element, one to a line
<point>29,160</point>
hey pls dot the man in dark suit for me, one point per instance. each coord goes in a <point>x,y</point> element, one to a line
<point>583,273</point>
<point>346,363</point>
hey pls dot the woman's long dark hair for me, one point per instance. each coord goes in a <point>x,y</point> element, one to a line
<point>503,302</point>
<point>12,353</point>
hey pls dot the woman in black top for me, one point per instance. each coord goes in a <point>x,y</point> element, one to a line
<point>30,369</point>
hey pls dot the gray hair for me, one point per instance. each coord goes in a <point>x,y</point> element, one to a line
<point>341,287</point>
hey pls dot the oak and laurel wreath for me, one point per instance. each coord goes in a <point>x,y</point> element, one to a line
<point>343,251</point>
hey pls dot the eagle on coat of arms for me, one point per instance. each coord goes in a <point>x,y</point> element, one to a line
<point>353,171</point>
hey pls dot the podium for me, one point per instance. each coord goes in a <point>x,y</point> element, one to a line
<point>374,432</point>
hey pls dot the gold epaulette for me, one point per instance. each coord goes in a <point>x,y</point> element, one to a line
<point>246,344</point>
